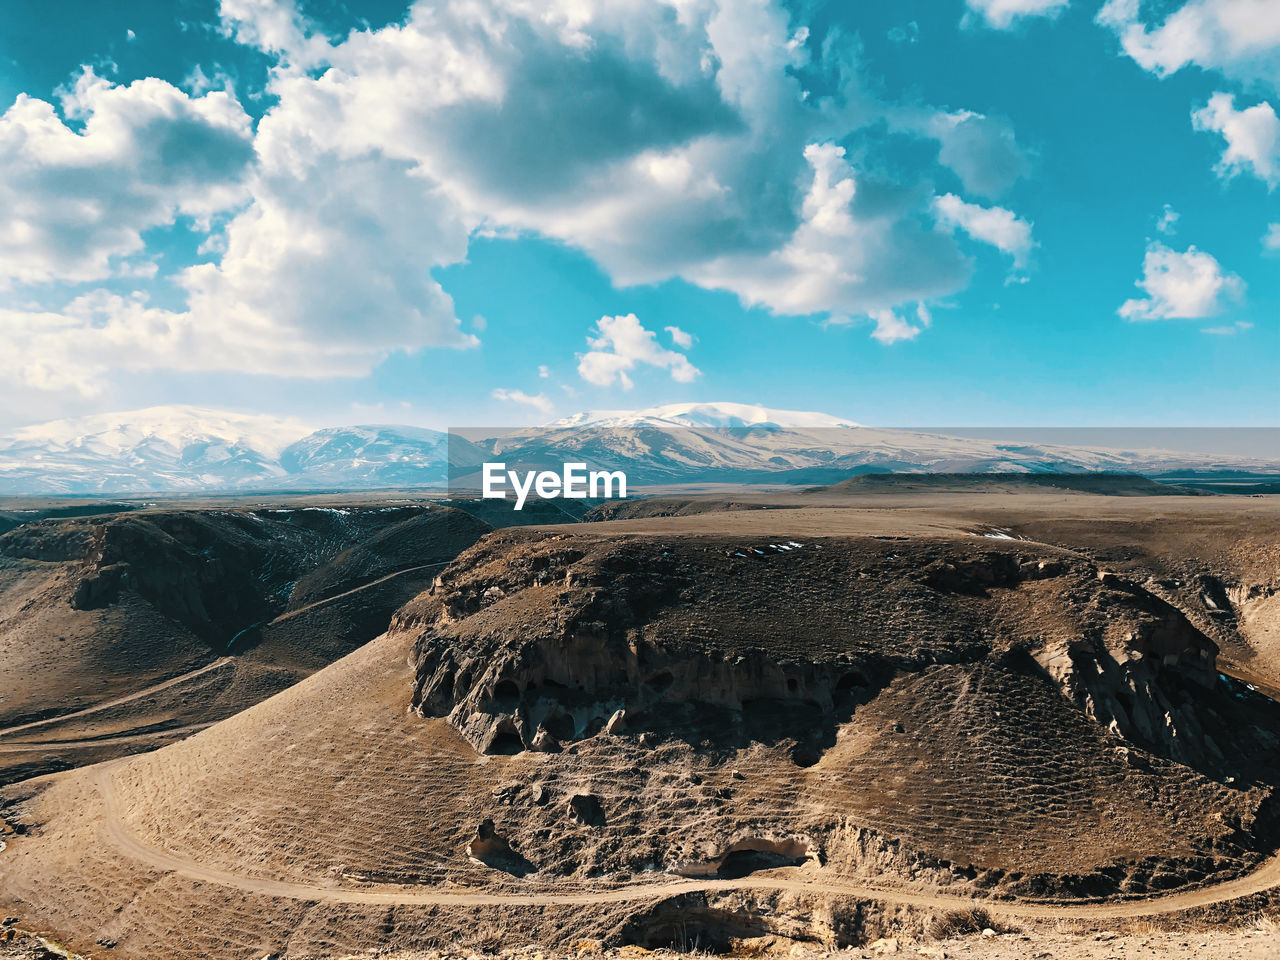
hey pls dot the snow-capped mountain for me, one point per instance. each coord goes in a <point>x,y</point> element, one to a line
<point>191,449</point>
<point>716,415</point>
<point>657,449</point>
<point>369,456</point>
<point>159,448</point>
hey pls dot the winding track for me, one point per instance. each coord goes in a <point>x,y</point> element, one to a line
<point>53,746</point>
<point>214,665</point>
<point>98,708</point>
<point>346,593</point>
<point>1264,878</point>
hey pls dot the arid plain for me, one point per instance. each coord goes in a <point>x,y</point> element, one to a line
<point>882,716</point>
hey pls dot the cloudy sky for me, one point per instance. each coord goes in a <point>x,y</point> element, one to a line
<point>498,211</point>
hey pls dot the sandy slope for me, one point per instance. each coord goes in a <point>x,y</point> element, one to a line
<point>1264,878</point>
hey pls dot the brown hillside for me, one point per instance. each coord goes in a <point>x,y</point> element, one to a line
<point>635,736</point>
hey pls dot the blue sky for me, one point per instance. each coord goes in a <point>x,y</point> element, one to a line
<point>943,212</point>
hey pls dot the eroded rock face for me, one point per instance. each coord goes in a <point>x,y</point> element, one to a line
<point>535,642</point>
<point>1133,666</point>
<point>216,572</point>
<point>544,696</point>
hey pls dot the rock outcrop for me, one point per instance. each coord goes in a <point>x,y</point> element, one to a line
<point>532,643</point>
<point>494,850</point>
<point>1133,668</point>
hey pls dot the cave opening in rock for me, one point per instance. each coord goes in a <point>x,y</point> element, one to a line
<point>505,743</point>
<point>849,683</point>
<point>694,929</point>
<point>660,681</point>
<point>506,694</point>
<point>742,863</point>
<point>806,753</point>
<point>560,726</point>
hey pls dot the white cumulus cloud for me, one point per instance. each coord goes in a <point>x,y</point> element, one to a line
<point>274,26</point>
<point>74,202</point>
<point>320,277</point>
<point>663,144</point>
<point>1252,135</point>
<point>1239,38</point>
<point>890,327</point>
<point>663,140</point>
<point>1187,285</point>
<point>1271,239</point>
<point>538,401</point>
<point>100,334</point>
<point>679,337</point>
<point>337,252</point>
<point>993,225</point>
<point>1003,14</point>
<point>620,345</point>
<point>858,246</point>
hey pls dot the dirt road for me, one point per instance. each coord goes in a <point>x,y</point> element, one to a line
<point>1264,878</point>
<point>138,695</point>
<point>347,593</point>
<point>30,746</point>
<point>208,667</point>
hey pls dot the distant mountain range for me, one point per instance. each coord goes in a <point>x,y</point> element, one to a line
<point>188,449</point>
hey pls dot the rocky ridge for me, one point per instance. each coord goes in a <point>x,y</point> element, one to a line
<point>628,631</point>
<point>1007,680</point>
